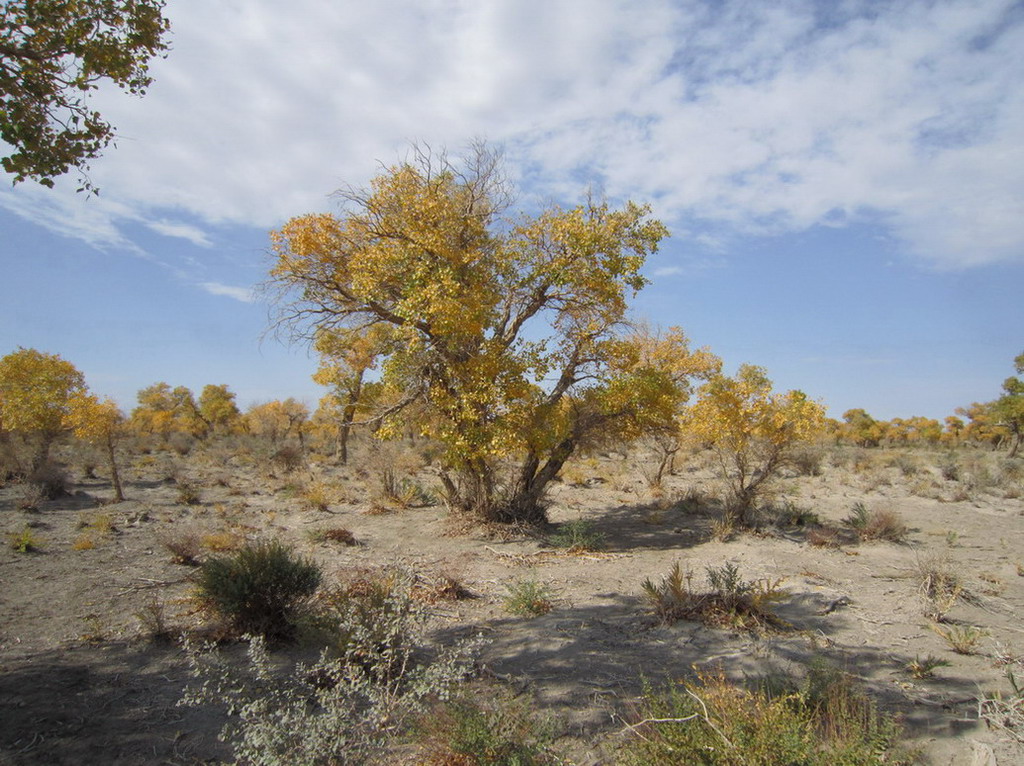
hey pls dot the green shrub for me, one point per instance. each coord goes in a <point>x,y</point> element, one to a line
<point>577,536</point>
<point>528,598</point>
<point>260,589</point>
<point>825,721</point>
<point>495,732</point>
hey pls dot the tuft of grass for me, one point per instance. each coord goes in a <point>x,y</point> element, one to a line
<point>528,598</point>
<point>824,721</point>
<point>925,668</point>
<point>962,639</point>
<point>577,536</point>
<point>24,541</point>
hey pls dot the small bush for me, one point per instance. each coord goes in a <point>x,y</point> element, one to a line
<point>496,732</point>
<point>577,536</point>
<point>825,721</point>
<point>528,598</point>
<point>729,602</point>
<point>329,712</point>
<point>188,492</point>
<point>879,524</point>
<point>24,541</point>
<point>316,496</point>
<point>260,589</point>
<point>962,639</point>
<point>288,458</point>
<point>184,547</point>
<point>49,480</point>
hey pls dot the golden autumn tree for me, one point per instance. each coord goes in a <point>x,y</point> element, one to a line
<point>217,409</point>
<point>35,392</point>
<point>98,422</point>
<point>346,356</point>
<point>277,420</point>
<point>163,410</point>
<point>508,343</point>
<point>753,431</point>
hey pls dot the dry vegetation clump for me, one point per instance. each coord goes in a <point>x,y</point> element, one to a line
<point>878,524</point>
<point>489,729</point>
<point>578,536</point>
<point>822,721</point>
<point>184,545</point>
<point>730,601</point>
<point>440,586</point>
<point>962,639</point>
<point>333,535</point>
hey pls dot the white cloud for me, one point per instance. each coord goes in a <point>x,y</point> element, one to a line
<point>750,117</point>
<point>243,294</point>
<point>182,230</point>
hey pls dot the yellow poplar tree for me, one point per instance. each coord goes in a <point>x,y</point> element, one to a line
<point>508,343</point>
<point>752,430</point>
<point>99,422</point>
<point>346,356</point>
<point>35,391</point>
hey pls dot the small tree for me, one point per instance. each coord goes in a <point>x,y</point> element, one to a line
<point>346,356</point>
<point>752,430</point>
<point>217,408</point>
<point>100,423</point>
<point>509,344</point>
<point>1008,409</point>
<point>164,410</point>
<point>35,394</point>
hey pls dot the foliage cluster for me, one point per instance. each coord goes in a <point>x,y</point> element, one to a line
<point>822,721</point>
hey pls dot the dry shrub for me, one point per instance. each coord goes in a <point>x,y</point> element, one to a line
<point>877,524</point>
<point>440,586</point>
<point>184,546</point>
<point>333,535</point>
<point>729,601</point>
<point>824,537</point>
<point>288,458</point>
<point>221,541</point>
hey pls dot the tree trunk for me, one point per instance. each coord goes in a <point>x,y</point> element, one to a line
<point>115,477</point>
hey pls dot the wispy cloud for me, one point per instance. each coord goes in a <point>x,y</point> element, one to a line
<point>243,294</point>
<point>746,117</point>
<point>185,231</point>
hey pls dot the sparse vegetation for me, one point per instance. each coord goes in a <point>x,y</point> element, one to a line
<point>528,597</point>
<point>822,721</point>
<point>577,536</point>
<point>261,589</point>
<point>729,601</point>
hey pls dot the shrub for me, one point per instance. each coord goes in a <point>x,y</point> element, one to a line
<point>24,541</point>
<point>288,458</point>
<point>925,668</point>
<point>962,639</point>
<point>49,480</point>
<point>260,589</point>
<point>879,524</point>
<point>188,492</point>
<point>731,601</point>
<point>333,535</point>
<point>495,732</point>
<point>825,721</point>
<point>577,536</point>
<point>340,710</point>
<point>528,598</point>
<point>184,547</point>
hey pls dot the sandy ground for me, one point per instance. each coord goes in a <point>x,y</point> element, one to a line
<point>81,682</point>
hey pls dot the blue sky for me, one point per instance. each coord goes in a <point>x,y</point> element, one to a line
<point>844,180</point>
